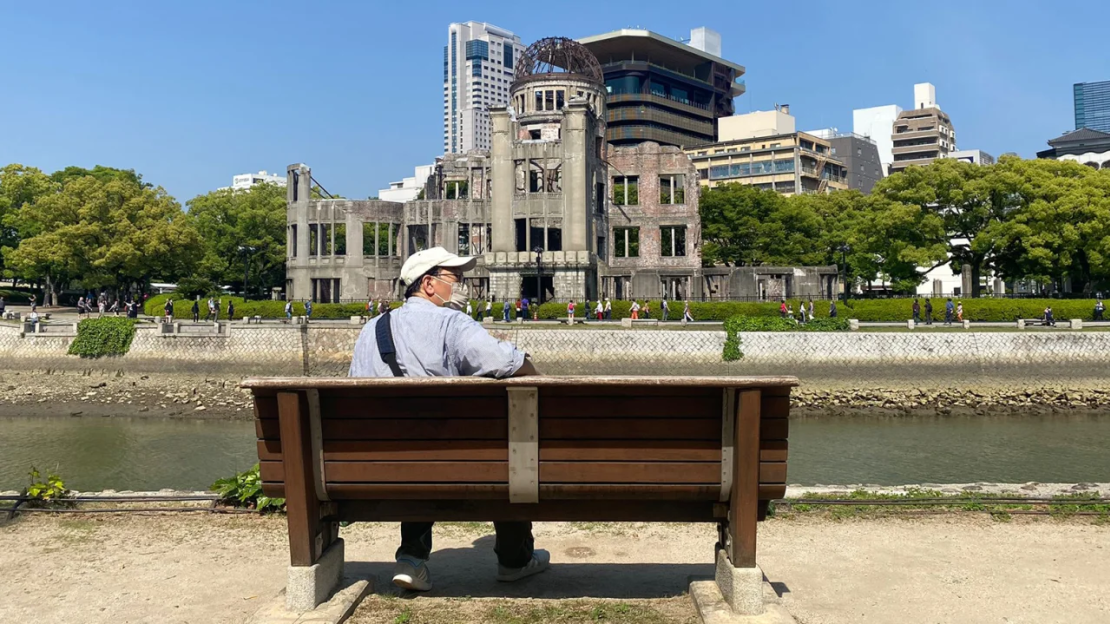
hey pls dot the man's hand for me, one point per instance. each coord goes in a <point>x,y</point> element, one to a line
<point>528,368</point>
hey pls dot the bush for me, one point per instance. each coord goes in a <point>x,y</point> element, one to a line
<point>190,287</point>
<point>737,324</point>
<point>44,493</point>
<point>245,490</point>
<point>15,296</point>
<point>109,335</point>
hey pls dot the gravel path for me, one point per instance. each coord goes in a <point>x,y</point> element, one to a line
<point>202,568</point>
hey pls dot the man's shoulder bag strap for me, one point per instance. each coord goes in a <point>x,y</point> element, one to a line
<point>383,332</point>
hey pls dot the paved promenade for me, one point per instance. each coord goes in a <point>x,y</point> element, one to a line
<point>202,568</point>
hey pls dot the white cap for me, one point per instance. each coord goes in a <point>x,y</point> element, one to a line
<point>421,262</point>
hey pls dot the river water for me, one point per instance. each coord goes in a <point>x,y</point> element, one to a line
<point>150,454</point>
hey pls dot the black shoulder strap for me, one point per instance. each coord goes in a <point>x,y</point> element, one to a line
<point>383,332</point>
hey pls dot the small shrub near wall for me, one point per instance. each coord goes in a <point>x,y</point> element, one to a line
<point>735,325</point>
<point>99,337</point>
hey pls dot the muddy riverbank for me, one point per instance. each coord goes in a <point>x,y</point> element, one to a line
<point>92,393</point>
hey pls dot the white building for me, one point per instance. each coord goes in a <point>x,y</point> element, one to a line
<point>408,188</point>
<point>244,181</point>
<point>975,157</point>
<point>875,123</point>
<point>478,64</point>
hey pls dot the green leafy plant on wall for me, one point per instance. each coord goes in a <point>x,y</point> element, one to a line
<point>46,492</point>
<point>245,490</point>
<point>103,336</point>
<point>737,324</point>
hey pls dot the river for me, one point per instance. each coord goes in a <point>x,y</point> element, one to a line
<point>151,454</point>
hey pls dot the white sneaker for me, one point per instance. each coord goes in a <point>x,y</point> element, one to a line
<point>541,560</point>
<point>410,575</point>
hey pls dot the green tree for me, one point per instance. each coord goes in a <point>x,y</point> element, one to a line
<point>19,185</point>
<point>103,234</point>
<point>229,220</point>
<point>101,173</point>
<point>1059,226</point>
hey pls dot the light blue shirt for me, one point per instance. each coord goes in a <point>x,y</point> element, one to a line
<point>435,342</point>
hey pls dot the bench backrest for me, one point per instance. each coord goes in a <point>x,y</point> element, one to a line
<point>522,440</point>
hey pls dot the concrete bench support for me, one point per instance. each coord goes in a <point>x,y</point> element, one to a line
<point>311,585</point>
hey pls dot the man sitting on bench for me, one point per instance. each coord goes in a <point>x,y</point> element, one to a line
<point>429,336</point>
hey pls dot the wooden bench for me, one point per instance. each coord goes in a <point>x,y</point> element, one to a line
<point>543,448</point>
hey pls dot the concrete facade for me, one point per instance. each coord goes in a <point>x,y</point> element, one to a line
<point>765,151</point>
<point>923,134</point>
<point>859,154</point>
<point>244,181</point>
<point>1085,146</point>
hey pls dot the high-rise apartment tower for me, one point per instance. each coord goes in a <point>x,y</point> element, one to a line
<point>478,63</point>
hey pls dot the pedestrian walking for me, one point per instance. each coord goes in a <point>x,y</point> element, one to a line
<point>802,312</point>
<point>34,318</point>
<point>216,311</point>
<point>211,309</point>
<point>608,310</point>
<point>489,308</point>
<point>570,312</point>
<point>34,303</point>
<point>519,312</point>
<point>783,309</point>
<point>1099,309</point>
<point>196,309</point>
<point>2,307</point>
<point>1049,318</point>
<point>790,312</point>
<point>115,307</point>
<point>666,308</point>
<point>949,311</point>
<point>230,309</point>
<point>634,310</point>
<point>646,310</point>
<point>686,316</point>
<point>832,309</point>
<point>928,311</point>
<point>469,310</point>
<point>100,306</point>
<point>425,337</point>
<point>289,310</point>
<point>916,311</point>
<point>599,311</point>
<point>811,315</point>
<point>169,311</point>
<point>524,307</point>
<point>960,312</point>
<point>506,309</point>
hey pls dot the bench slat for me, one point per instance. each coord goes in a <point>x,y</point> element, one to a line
<point>774,407</point>
<point>414,407</point>
<point>631,407</point>
<point>629,472</point>
<point>599,491</point>
<point>544,511</point>
<point>398,429</point>
<point>774,429</point>
<point>622,429</point>
<point>555,450</point>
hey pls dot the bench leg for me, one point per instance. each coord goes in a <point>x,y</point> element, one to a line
<point>738,577</point>
<point>315,552</point>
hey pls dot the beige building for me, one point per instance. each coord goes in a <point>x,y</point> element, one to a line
<point>764,149</point>
<point>923,134</point>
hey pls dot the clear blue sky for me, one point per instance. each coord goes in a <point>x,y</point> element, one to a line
<point>191,93</point>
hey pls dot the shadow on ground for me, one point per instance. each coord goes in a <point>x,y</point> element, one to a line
<point>469,572</point>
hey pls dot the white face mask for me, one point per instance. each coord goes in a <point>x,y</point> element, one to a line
<point>460,295</point>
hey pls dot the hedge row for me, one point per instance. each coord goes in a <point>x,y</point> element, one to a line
<point>874,310</point>
<point>98,337</point>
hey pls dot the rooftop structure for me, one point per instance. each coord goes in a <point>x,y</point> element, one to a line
<point>1086,146</point>
<point>663,90</point>
<point>923,134</point>
<point>244,181</point>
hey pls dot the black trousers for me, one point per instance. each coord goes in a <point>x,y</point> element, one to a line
<point>513,547</point>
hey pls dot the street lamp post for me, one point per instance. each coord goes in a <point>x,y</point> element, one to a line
<point>844,249</point>
<point>539,270</point>
<point>246,251</point>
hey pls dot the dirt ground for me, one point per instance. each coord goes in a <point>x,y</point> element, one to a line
<point>204,568</point>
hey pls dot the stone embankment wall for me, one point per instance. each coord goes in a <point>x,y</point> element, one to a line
<point>863,358</point>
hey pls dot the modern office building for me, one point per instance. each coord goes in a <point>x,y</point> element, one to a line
<point>1086,146</point>
<point>923,134</point>
<point>663,90</point>
<point>974,156</point>
<point>246,180</point>
<point>478,63</point>
<point>1092,105</point>
<point>875,123</point>
<point>859,154</point>
<point>763,149</point>
<point>407,189</point>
